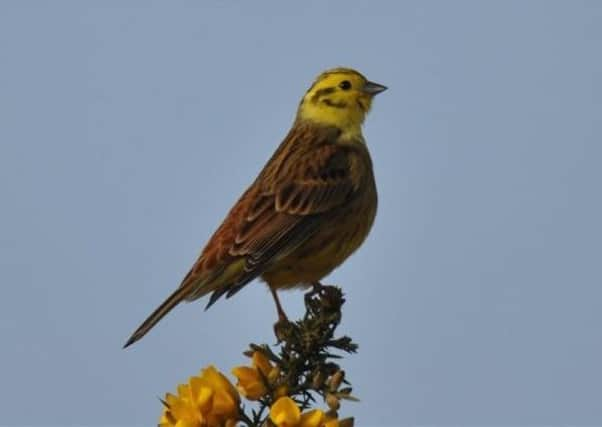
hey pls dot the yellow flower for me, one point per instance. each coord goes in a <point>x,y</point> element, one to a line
<point>250,383</point>
<point>285,413</point>
<point>262,363</point>
<point>207,400</point>
<point>252,380</point>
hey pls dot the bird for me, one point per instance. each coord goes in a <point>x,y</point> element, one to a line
<point>311,206</point>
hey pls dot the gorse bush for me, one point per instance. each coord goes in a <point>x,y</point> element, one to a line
<point>284,385</point>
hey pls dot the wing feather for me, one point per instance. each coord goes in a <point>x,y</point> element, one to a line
<point>301,185</point>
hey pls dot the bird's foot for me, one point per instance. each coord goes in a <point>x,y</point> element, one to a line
<point>317,287</point>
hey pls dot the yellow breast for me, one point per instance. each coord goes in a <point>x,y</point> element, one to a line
<point>339,236</point>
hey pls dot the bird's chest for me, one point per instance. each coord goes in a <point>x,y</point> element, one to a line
<point>337,238</point>
<point>348,231</point>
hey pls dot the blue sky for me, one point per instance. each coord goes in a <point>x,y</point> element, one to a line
<point>129,128</point>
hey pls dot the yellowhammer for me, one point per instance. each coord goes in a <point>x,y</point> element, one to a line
<point>311,206</point>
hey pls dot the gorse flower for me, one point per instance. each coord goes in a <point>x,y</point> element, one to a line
<point>255,381</point>
<point>208,400</point>
<point>281,387</point>
<point>285,413</point>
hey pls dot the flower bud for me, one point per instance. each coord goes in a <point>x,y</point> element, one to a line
<point>318,380</point>
<point>336,380</point>
<point>332,401</point>
<point>274,374</point>
<point>281,391</point>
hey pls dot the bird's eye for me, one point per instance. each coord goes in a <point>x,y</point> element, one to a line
<point>345,85</point>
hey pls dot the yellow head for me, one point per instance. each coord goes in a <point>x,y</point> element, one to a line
<point>339,97</point>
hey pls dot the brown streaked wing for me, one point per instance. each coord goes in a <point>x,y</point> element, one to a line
<point>216,256</point>
<point>300,203</point>
<point>286,205</point>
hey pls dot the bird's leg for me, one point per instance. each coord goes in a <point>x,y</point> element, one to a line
<point>282,326</point>
<point>281,314</point>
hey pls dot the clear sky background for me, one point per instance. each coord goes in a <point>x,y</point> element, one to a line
<point>127,130</point>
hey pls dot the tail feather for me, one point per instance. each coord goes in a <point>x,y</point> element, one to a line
<point>195,286</point>
<point>174,299</point>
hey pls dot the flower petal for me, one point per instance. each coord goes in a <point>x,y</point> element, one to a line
<point>165,421</point>
<point>331,422</point>
<point>170,399</point>
<point>250,384</point>
<point>262,363</point>
<point>184,392</point>
<point>224,404</point>
<point>218,381</point>
<point>246,374</point>
<point>312,418</point>
<point>204,399</point>
<point>273,375</point>
<point>285,412</point>
<point>187,423</point>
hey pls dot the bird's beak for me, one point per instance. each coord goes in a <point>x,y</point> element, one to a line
<point>372,88</point>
